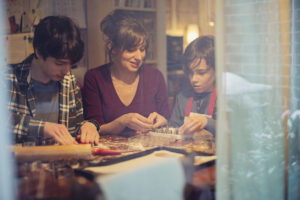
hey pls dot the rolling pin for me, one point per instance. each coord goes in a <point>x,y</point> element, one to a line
<point>53,152</point>
<point>59,152</point>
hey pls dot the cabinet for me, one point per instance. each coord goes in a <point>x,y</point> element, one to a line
<point>19,47</point>
<point>150,12</point>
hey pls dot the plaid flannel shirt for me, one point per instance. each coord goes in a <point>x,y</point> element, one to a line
<point>22,104</point>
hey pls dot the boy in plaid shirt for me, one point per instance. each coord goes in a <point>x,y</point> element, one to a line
<point>45,100</point>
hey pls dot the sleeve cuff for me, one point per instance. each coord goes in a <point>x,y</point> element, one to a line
<point>95,123</point>
<point>211,126</point>
<point>36,129</point>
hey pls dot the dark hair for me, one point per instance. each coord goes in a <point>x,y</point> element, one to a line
<point>200,48</point>
<point>123,31</point>
<point>58,37</point>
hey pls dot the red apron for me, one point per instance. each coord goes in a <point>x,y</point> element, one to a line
<point>210,107</point>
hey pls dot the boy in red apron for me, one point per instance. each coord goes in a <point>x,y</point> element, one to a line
<point>195,108</point>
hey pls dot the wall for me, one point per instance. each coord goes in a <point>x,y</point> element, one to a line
<point>190,12</point>
<point>179,14</point>
<point>38,9</point>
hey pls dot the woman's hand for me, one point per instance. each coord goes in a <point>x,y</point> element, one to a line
<point>157,120</point>
<point>89,134</point>
<point>136,122</point>
<point>193,124</point>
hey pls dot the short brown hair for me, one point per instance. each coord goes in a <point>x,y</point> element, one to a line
<point>58,37</point>
<point>200,48</point>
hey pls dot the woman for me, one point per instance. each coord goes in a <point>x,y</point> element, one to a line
<point>124,95</point>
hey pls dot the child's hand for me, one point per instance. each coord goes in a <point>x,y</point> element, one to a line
<point>157,120</point>
<point>89,134</point>
<point>59,132</point>
<point>193,124</point>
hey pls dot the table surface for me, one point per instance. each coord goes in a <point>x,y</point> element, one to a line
<point>205,171</point>
<point>131,147</point>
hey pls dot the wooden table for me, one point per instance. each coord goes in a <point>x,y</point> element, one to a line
<point>204,177</point>
<point>54,174</point>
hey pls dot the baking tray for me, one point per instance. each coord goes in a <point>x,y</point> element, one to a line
<point>111,161</point>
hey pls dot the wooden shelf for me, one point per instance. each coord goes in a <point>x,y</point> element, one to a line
<point>135,9</point>
<point>150,61</point>
<point>175,72</point>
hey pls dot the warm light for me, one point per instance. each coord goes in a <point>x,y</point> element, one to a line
<point>173,32</point>
<point>192,32</point>
<point>211,23</point>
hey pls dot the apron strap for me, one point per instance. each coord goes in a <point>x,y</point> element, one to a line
<point>212,102</point>
<point>189,106</point>
<point>210,107</point>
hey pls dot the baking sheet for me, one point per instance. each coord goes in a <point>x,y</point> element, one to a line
<point>143,159</point>
<point>134,163</point>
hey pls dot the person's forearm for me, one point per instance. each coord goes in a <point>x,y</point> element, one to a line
<point>113,127</point>
<point>26,126</point>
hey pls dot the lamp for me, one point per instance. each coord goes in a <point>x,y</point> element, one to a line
<point>211,23</point>
<point>192,32</point>
<point>210,13</point>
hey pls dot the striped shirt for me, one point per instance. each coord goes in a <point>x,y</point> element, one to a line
<point>22,104</point>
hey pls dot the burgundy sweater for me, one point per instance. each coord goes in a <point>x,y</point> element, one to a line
<point>102,103</point>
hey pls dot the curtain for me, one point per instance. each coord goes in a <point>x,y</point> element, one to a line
<point>7,182</point>
<point>251,74</point>
<point>294,139</point>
